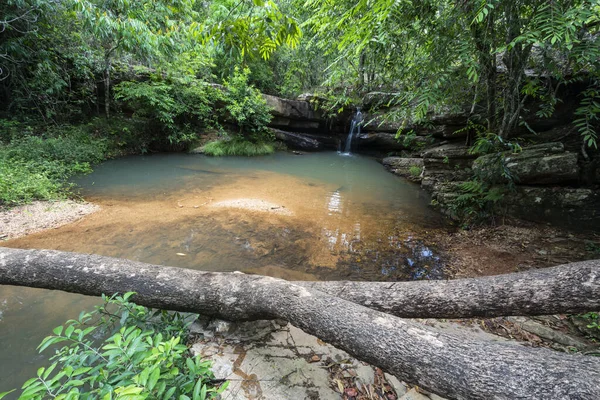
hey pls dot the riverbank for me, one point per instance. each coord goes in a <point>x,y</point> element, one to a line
<point>37,216</point>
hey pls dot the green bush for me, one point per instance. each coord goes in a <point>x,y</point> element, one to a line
<point>39,168</point>
<point>247,108</point>
<point>20,183</point>
<point>477,202</point>
<point>142,357</point>
<point>238,147</point>
<point>414,171</point>
<point>175,109</point>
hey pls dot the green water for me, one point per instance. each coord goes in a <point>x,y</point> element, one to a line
<point>354,220</point>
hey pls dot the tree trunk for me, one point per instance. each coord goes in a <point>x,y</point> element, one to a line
<point>572,288</point>
<point>107,65</point>
<point>515,59</point>
<point>445,364</point>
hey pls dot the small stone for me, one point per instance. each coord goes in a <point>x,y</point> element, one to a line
<point>315,358</point>
<point>412,394</point>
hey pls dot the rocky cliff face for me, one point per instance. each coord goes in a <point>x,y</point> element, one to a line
<point>549,185</point>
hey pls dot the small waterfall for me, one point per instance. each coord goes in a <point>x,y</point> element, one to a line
<point>354,130</point>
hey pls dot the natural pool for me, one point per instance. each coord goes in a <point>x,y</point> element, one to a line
<point>317,216</point>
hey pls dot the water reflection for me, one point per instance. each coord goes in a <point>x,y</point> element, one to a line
<point>334,203</point>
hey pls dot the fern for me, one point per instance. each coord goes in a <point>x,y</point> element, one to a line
<point>588,115</point>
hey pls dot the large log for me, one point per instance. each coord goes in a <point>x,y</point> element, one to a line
<point>452,366</point>
<point>571,288</point>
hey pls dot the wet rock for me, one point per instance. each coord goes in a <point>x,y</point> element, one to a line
<point>546,163</point>
<point>405,167</point>
<point>380,140</point>
<point>297,140</point>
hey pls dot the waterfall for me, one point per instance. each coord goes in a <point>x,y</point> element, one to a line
<point>354,127</point>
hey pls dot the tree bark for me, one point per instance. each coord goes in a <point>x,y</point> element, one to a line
<point>571,288</point>
<point>107,66</point>
<point>448,365</point>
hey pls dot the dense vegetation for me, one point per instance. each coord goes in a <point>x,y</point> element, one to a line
<point>156,75</point>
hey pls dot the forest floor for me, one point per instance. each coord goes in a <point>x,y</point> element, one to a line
<point>513,247</point>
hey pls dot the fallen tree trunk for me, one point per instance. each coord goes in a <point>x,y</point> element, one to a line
<point>451,366</point>
<point>571,288</point>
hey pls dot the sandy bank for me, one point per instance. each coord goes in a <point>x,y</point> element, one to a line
<point>40,215</point>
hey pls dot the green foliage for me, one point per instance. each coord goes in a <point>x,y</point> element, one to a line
<point>39,168</point>
<point>495,169</point>
<point>410,140</point>
<point>593,318</point>
<point>479,198</point>
<point>588,115</point>
<point>415,171</point>
<point>237,147</point>
<point>476,202</point>
<point>21,183</point>
<point>175,110</point>
<point>248,30</point>
<point>247,108</point>
<point>142,357</point>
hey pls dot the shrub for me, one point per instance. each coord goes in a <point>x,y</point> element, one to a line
<point>142,357</point>
<point>414,171</point>
<point>175,109</point>
<point>20,183</point>
<point>237,147</point>
<point>247,108</point>
<point>39,168</point>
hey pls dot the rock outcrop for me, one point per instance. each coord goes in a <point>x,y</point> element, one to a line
<point>546,177</point>
<point>447,163</point>
<point>294,115</point>
<point>571,207</point>
<point>297,140</point>
<point>409,168</point>
<point>541,164</point>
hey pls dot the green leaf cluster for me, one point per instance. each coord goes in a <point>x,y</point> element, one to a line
<point>141,357</point>
<point>247,108</point>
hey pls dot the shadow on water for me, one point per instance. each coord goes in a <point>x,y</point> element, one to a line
<point>312,217</point>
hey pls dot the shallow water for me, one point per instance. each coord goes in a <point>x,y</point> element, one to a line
<point>312,217</point>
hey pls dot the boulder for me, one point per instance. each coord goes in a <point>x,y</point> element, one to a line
<point>289,108</point>
<point>572,208</point>
<point>297,140</point>
<point>410,168</point>
<point>540,164</point>
<point>294,115</point>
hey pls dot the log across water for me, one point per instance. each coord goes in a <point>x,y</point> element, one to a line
<point>442,363</point>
